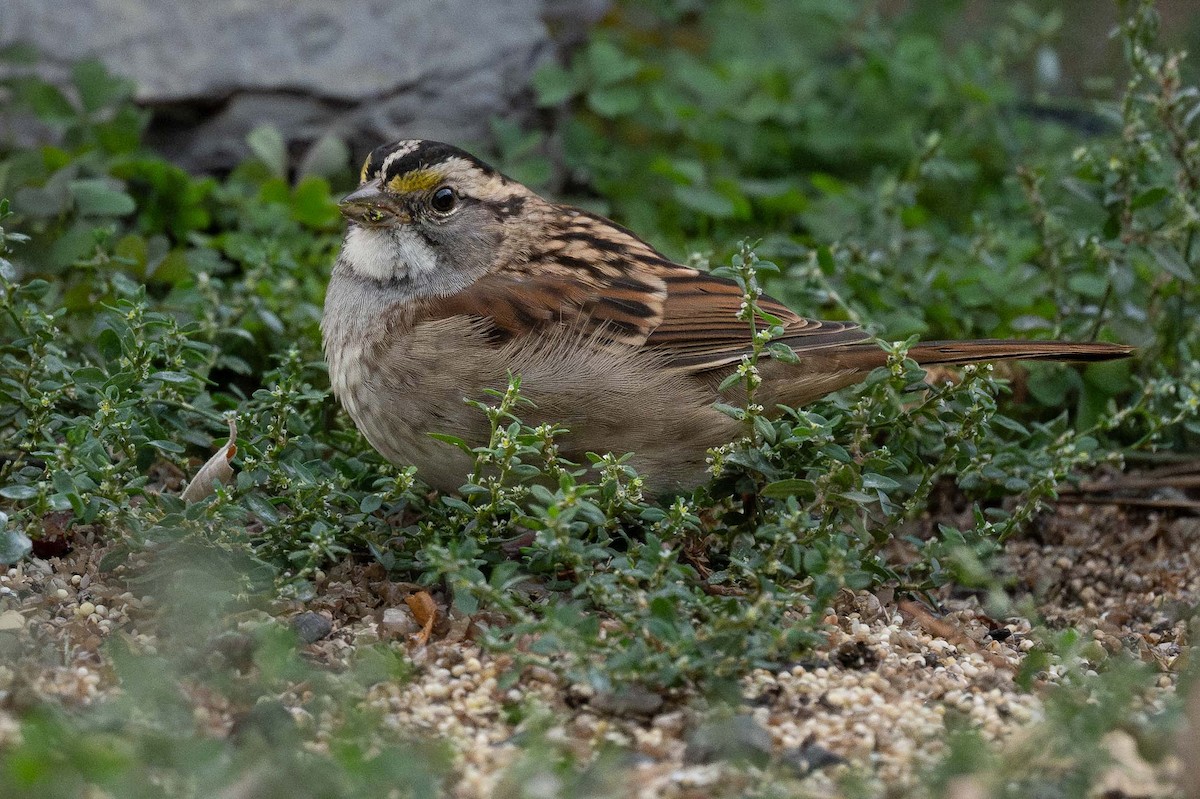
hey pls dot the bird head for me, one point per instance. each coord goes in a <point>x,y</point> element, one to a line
<point>427,217</point>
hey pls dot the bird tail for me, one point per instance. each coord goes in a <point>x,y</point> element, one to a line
<point>867,356</point>
<point>827,370</point>
<point>930,353</point>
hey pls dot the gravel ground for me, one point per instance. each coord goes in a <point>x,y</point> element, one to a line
<point>874,698</point>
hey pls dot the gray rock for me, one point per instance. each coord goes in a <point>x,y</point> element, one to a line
<point>367,70</point>
<point>737,739</point>
<point>311,626</point>
<point>810,757</point>
<point>269,721</point>
<point>398,623</point>
<point>628,700</point>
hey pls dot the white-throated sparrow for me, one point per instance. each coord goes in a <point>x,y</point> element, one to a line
<point>451,276</point>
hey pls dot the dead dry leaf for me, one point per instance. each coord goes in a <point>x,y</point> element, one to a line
<point>940,628</point>
<point>217,471</point>
<point>424,610</point>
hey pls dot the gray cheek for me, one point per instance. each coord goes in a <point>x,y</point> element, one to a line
<point>467,241</point>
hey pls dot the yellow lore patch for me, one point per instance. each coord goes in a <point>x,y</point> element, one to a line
<point>417,180</point>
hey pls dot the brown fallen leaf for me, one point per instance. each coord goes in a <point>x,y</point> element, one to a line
<point>218,469</point>
<point>928,622</point>
<point>424,610</point>
<point>940,628</point>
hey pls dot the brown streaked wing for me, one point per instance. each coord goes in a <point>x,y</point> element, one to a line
<point>700,329</point>
<point>686,316</point>
<point>621,310</point>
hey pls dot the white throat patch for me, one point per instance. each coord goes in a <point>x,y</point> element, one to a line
<point>386,254</point>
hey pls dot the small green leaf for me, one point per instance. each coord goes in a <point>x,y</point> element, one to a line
<point>18,492</point>
<point>453,441</point>
<point>455,503</point>
<point>782,489</point>
<point>1049,386</point>
<point>98,88</point>
<point>614,101</point>
<point>48,103</point>
<point>607,64</point>
<point>1149,197</point>
<point>705,200</point>
<point>167,376</point>
<point>268,146</point>
<point>765,429</point>
<point>783,353</point>
<point>328,156</point>
<point>100,197</point>
<point>1093,286</point>
<point>1110,378</point>
<point>731,411</point>
<point>14,544</point>
<point>312,204</point>
<point>554,85</point>
<point>109,344</point>
<point>879,481</point>
<point>88,375</point>
<point>730,380</point>
<point>48,200</point>
<point>837,452</point>
<point>1010,424</point>
<point>1171,261</point>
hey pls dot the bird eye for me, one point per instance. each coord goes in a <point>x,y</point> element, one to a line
<point>442,200</point>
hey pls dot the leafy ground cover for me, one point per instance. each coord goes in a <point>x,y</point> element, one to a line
<point>886,548</point>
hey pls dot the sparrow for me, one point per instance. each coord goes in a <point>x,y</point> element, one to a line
<point>453,276</point>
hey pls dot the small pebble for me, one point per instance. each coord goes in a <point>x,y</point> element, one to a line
<point>11,620</point>
<point>310,626</point>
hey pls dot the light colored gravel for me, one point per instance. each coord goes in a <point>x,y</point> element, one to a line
<point>877,693</point>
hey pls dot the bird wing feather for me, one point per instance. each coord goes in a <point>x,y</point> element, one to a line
<point>687,317</point>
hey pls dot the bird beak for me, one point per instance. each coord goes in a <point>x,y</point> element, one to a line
<point>370,205</point>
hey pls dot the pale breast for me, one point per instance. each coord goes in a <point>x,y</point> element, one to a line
<point>397,385</point>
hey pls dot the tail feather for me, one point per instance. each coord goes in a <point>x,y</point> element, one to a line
<point>867,356</point>
<point>964,352</point>
<point>828,369</point>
